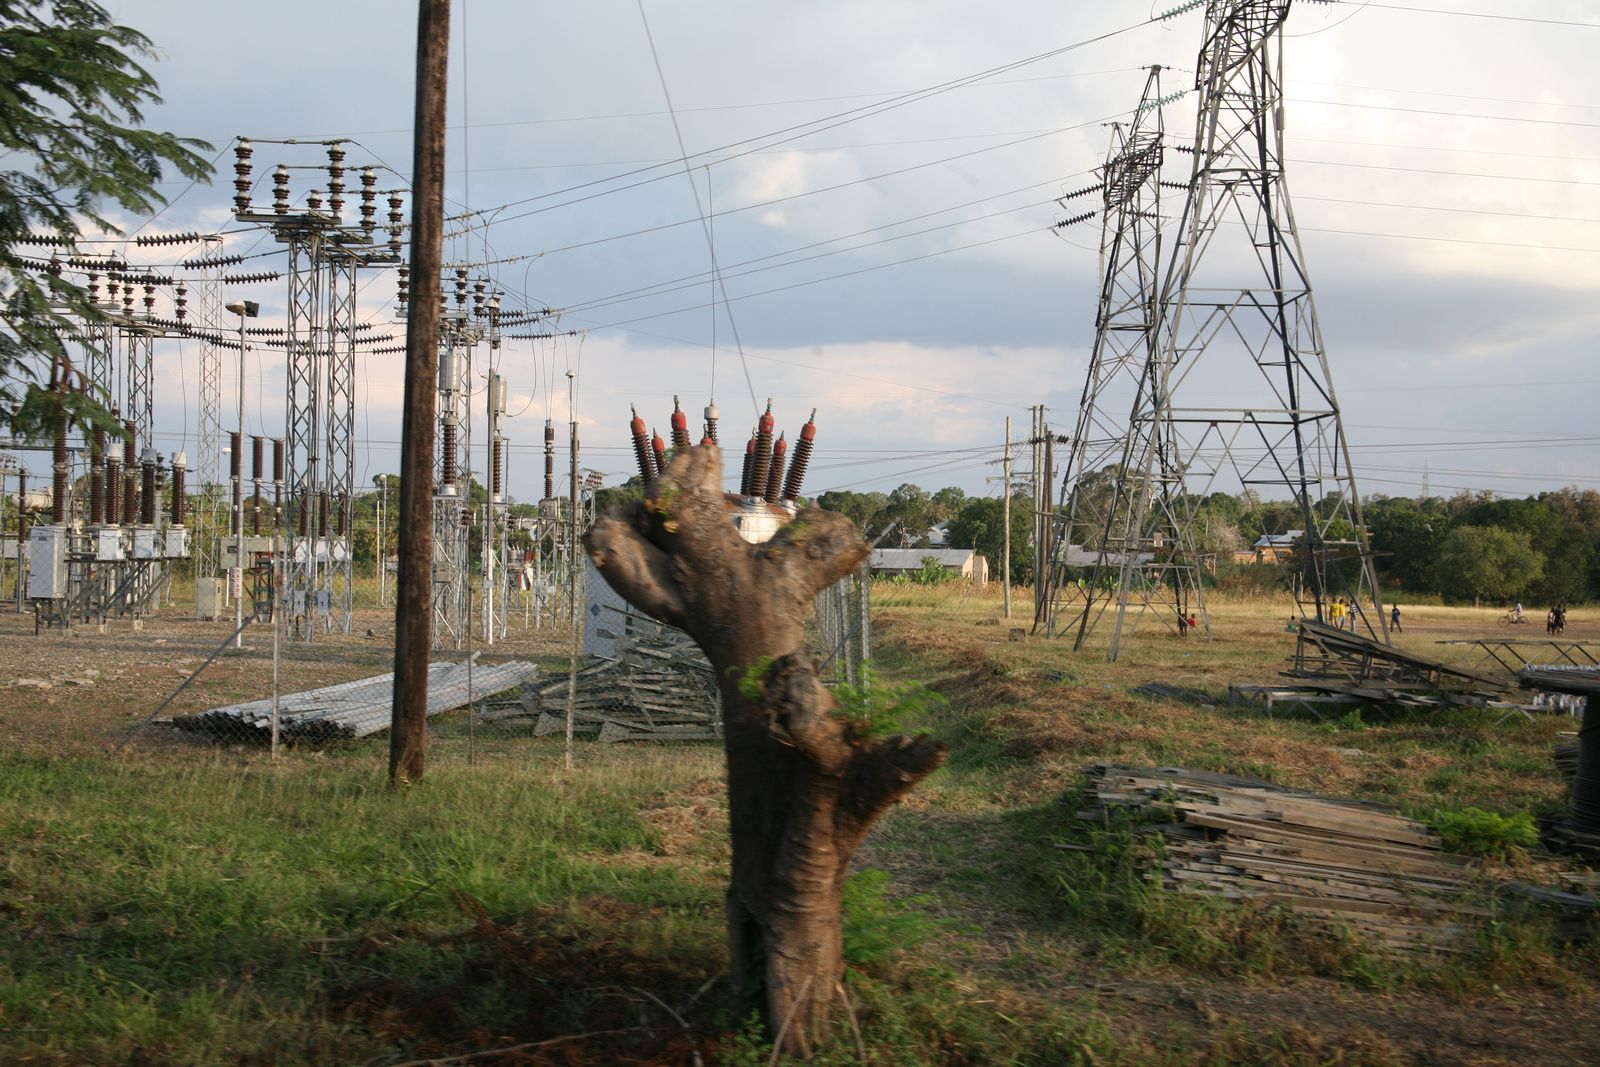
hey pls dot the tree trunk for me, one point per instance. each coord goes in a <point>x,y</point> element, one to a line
<point>803,786</point>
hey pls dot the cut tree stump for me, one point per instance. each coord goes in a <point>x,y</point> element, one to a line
<point>803,786</point>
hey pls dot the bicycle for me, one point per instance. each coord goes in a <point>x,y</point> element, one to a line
<point>1511,617</point>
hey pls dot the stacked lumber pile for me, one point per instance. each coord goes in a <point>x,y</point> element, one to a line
<point>658,687</point>
<point>353,709</point>
<point>1379,873</point>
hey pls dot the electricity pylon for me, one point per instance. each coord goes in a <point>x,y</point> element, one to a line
<point>1238,320</point>
<point>1122,536</point>
<point>1233,319</point>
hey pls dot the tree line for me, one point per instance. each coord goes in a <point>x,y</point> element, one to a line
<point>1543,548</point>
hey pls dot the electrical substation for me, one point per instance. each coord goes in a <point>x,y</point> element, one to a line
<point>283,517</point>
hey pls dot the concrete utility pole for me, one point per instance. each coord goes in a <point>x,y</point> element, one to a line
<point>413,624</point>
<point>1005,497</point>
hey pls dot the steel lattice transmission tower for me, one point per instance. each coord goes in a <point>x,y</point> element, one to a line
<point>1235,386</point>
<point>1239,321</point>
<point>1122,536</point>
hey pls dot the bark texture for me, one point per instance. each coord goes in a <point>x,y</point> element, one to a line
<point>803,787</point>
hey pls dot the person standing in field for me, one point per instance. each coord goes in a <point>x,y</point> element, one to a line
<point>1394,618</point>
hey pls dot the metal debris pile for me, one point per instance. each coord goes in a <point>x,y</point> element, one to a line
<point>657,687</point>
<point>353,709</point>
<point>1379,873</point>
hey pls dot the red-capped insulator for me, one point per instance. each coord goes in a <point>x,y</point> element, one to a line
<point>641,448</point>
<point>749,467</point>
<point>763,459</point>
<point>659,447</point>
<point>775,475</point>
<point>802,456</point>
<point>706,440</point>
<point>680,427</point>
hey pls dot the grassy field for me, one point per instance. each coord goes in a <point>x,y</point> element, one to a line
<point>189,904</point>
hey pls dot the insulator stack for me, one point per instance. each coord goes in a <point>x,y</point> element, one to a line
<point>130,455</point>
<point>257,472</point>
<point>641,448</point>
<point>763,459</point>
<point>680,427</point>
<point>58,488</point>
<point>241,175</point>
<point>549,460</point>
<point>749,466</point>
<point>322,513</point>
<point>113,513</point>
<point>94,288</point>
<point>461,288</point>
<point>97,487</point>
<point>369,200</point>
<point>497,471</point>
<point>449,454</point>
<point>280,190</point>
<point>180,465</point>
<point>775,475</point>
<point>181,302</point>
<point>659,447</point>
<point>130,493</point>
<point>314,200</point>
<point>335,179</point>
<point>236,474</point>
<point>711,422</point>
<point>277,460</point>
<point>127,300</point>
<point>149,299</point>
<point>802,456</point>
<point>403,286</point>
<point>478,297</point>
<point>395,223</point>
<point>235,455</point>
<point>147,498</point>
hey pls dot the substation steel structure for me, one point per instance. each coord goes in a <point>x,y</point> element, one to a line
<point>105,550</point>
<point>321,339</point>
<point>1234,312</point>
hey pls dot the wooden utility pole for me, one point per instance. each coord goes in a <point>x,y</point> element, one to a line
<point>413,611</point>
<point>1005,496</point>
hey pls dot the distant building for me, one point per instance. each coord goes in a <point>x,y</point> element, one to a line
<point>1271,548</point>
<point>960,562</point>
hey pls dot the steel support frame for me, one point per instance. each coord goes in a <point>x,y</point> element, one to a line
<point>306,349</point>
<point>207,540</point>
<point>336,587</point>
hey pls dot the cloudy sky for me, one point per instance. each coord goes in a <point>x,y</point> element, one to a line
<point>890,259</point>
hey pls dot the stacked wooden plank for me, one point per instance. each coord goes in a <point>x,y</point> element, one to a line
<point>354,709</point>
<point>1381,874</point>
<point>658,687</point>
